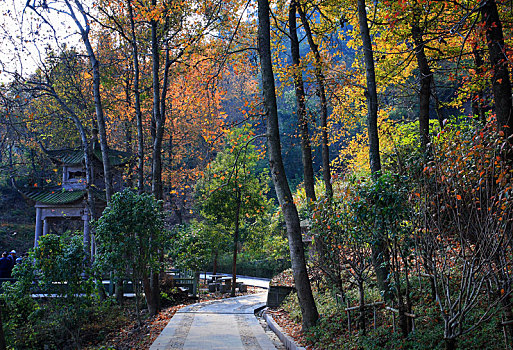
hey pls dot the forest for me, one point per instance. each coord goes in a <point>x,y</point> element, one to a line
<point>218,135</point>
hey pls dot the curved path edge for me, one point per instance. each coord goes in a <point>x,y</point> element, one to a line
<point>284,337</point>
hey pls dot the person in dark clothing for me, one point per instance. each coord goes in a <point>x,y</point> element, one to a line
<point>5,266</point>
<point>13,257</point>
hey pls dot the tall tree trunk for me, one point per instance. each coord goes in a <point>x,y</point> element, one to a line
<point>381,262</point>
<point>157,132</point>
<point>155,289</point>
<point>118,291</point>
<point>451,344</point>
<point>371,91</point>
<point>127,125</point>
<point>501,83</point>
<point>426,77</point>
<point>156,168</point>
<point>297,254</point>
<point>236,241</point>
<point>150,301</point>
<point>159,107</point>
<point>319,76</point>
<point>100,118</point>
<point>306,149</point>
<point>129,182</point>
<point>214,264</point>
<point>137,106</point>
<point>380,255</point>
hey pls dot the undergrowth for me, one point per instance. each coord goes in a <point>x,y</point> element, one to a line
<point>331,331</point>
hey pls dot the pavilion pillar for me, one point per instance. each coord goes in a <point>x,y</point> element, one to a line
<point>87,233</point>
<point>46,227</point>
<point>39,226</point>
<point>93,245</point>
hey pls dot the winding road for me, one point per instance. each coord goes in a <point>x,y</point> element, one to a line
<point>220,324</point>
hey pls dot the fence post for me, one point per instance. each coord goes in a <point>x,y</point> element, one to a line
<point>374,312</point>
<point>348,317</point>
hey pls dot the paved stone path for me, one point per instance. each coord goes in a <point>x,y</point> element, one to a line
<point>217,325</point>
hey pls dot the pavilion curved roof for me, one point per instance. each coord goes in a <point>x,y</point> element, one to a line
<point>54,196</point>
<point>59,196</point>
<point>75,156</point>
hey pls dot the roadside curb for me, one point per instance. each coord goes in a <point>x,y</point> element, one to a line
<point>285,339</point>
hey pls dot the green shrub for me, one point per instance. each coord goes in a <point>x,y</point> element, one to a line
<point>58,265</point>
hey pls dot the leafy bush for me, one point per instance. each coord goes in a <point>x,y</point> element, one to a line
<point>331,331</point>
<point>61,266</point>
<point>327,303</point>
<point>131,238</point>
<point>58,265</point>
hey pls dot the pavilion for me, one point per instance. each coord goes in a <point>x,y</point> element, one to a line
<point>69,200</point>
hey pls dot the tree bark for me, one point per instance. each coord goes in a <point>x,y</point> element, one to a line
<point>155,290</point>
<point>149,295</point>
<point>426,77</point>
<point>127,124</point>
<point>214,264</point>
<point>156,168</point>
<point>302,283</point>
<point>381,263</point>
<point>306,149</point>
<point>371,92</point>
<point>100,118</point>
<point>137,106</point>
<point>501,83</point>
<point>236,241</point>
<point>157,132</point>
<point>380,255</point>
<point>450,344</point>
<point>118,291</point>
<point>159,107</point>
<point>319,76</point>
